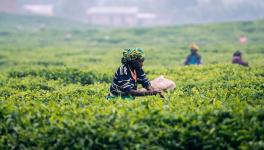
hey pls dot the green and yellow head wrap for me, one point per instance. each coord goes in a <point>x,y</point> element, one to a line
<point>130,54</point>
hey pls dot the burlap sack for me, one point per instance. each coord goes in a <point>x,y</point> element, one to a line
<point>162,83</point>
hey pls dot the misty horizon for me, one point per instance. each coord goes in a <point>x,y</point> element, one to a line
<point>149,12</point>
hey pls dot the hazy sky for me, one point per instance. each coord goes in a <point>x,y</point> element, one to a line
<point>199,2</point>
<point>231,2</point>
<point>182,11</point>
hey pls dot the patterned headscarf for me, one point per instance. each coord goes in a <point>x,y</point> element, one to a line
<point>130,54</point>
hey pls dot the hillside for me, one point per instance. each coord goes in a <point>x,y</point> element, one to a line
<point>86,41</point>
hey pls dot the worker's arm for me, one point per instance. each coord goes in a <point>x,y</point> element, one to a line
<point>150,91</point>
<point>144,93</point>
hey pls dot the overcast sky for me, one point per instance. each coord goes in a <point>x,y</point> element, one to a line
<point>232,2</point>
<point>182,11</point>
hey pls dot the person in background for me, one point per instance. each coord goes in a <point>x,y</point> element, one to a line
<point>129,74</point>
<point>194,58</point>
<point>237,59</point>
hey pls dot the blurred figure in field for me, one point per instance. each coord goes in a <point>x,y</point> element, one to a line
<point>194,58</point>
<point>237,59</point>
<point>243,39</point>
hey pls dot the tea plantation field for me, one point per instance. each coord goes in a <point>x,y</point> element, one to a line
<point>55,75</point>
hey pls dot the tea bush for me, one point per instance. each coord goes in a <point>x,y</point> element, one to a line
<point>222,109</point>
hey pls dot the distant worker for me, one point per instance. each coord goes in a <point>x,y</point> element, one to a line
<point>194,58</point>
<point>130,73</point>
<point>237,59</point>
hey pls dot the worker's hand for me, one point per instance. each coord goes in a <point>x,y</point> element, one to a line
<point>162,94</point>
<point>156,91</point>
